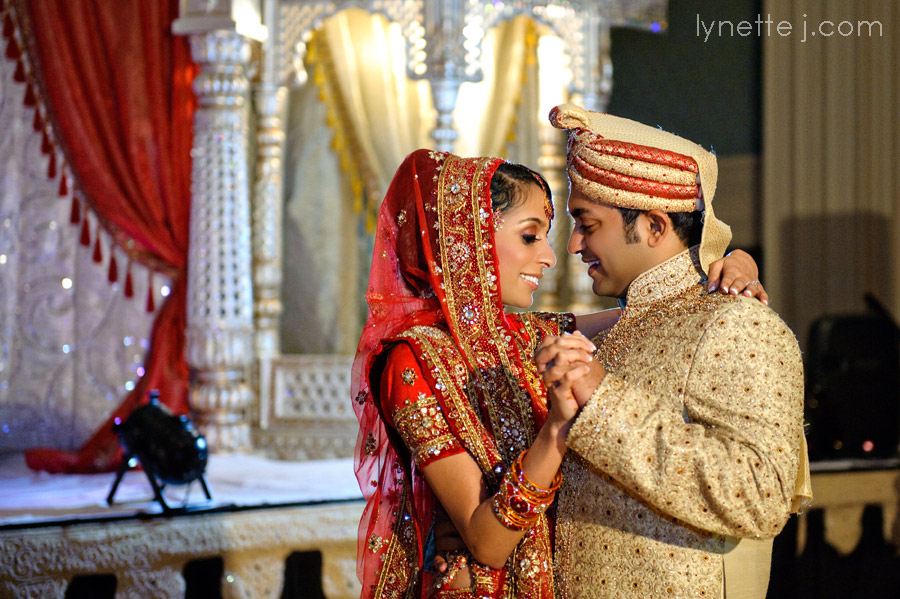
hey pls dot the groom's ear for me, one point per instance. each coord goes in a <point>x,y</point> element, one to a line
<point>658,225</point>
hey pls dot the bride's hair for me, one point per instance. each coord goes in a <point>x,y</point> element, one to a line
<point>508,186</point>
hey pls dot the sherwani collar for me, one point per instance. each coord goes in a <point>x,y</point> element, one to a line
<point>665,280</point>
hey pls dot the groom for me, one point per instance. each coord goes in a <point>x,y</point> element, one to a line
<point>688,454</point>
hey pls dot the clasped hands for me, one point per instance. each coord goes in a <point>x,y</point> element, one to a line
<point>570,372</point>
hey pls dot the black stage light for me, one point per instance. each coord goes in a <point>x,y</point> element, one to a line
<point>169,449</point>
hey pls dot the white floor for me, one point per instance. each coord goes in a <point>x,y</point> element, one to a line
<point>28,497</point>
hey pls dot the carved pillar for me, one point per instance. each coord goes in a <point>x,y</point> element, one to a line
<point>595,80</point>
<point>267,222</point>
<point>551,161</point>
<point>30,590</point>
<point>444,93</point>
<point>339,570</point>
<point>593,93</point>
<point>267,219</point>
<point>165,581</point>
<point>220,305</point>
<point>552,164</point>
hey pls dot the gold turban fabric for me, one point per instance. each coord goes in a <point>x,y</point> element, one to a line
<point>627,164</point>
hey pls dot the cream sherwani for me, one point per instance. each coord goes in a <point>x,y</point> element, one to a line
<point>685,462</point>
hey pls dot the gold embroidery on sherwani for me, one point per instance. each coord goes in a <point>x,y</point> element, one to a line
<point>691,441</point>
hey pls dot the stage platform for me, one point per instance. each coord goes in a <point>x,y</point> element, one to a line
<point>56,527</point>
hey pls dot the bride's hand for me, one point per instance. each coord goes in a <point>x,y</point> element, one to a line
<point>737,273</point>
<point>569,371</point>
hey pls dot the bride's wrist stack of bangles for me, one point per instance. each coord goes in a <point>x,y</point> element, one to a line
<point>520,502</point>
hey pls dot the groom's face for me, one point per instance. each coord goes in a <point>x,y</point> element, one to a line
<point>599,238</point>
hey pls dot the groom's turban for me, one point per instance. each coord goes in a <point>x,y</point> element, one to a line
<point>624,163</point>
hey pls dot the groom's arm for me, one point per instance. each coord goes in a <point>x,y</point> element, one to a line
<point>724,456</point>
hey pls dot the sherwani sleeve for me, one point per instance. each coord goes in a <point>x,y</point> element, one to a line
<point>720,453</point>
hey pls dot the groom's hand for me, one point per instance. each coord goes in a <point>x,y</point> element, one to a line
<point>557,356</point>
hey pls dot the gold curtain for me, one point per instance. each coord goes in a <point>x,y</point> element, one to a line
<point>377,115</point>
<point>831,190</point>
<point>346,134</point>
<point>486,111</point>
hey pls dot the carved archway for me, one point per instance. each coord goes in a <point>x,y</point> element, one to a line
<point>443,41</point>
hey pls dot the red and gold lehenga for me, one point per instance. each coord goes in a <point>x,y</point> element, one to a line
<point>449,372</point>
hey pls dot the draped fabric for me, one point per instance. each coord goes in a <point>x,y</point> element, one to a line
<point>326,251</point>
<point>117,86</point>
<point>376,114</point>
<point>523,140</point>
<point>71,344</point>
<point>830,203</point>
<point>362,114</point>
<point>384,116</point>
<point>486,114</point>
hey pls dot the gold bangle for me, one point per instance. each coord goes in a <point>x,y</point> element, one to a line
<point>538,491</point>
<point>507,517</point>
<point>519,503</point>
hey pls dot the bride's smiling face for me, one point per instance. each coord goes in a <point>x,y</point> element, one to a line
<point>523,248</point>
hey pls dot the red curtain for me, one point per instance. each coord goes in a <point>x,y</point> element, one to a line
<point>116,84</point>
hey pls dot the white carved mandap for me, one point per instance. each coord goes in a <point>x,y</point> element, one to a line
<point>305,109</point>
